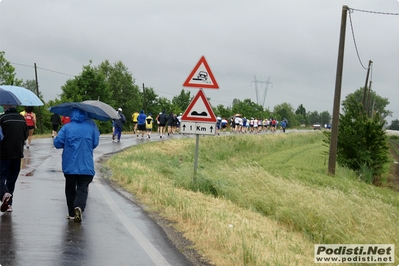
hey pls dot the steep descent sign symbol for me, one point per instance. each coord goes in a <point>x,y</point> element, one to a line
<point>201,76</point>
<point>199,110</point>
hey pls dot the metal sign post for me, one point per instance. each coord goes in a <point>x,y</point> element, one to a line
<point>196,154</point>
<point>199,118</point>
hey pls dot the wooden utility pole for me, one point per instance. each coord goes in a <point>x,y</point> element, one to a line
<point>144,105</point>
<point>368,102</point>
<point>364,100</point>
<point>332,160</point>
<point>37,94</point>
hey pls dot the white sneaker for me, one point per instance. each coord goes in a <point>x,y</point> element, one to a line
<point>78,215</point>
<point>69,217</point>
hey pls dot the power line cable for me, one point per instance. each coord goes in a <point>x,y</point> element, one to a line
<point>374,12</point>
<point>354,40</point>
<point>49,70</point>
<point>351,10</point>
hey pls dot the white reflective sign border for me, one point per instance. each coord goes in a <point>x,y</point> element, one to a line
<point>200,128</point>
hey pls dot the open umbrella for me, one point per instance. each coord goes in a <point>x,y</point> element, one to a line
<point>105,107</point>
<point>92,111</point>
<point>25,96</point>
<point>8,98</point>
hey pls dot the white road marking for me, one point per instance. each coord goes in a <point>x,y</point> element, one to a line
<point>152,252</point>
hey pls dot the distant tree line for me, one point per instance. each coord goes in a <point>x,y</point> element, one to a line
<point>115,85</point>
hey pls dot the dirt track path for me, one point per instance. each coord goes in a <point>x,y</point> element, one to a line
<point>393,181</point>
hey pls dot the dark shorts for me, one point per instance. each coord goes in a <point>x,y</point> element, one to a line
<point>55,127</point>
<point>141,127</point>
<point>31,127</point>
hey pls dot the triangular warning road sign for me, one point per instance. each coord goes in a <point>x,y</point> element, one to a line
<point>201,76</point>
<point>199,110</point>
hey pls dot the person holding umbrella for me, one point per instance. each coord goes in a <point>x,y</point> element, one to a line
<point>78,139</point>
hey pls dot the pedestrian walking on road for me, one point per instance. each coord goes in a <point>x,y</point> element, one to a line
<point>283,125</point>
<point>118,124</point>
<point>55,123</point>
<point>162,119</point>
<point>148,125</point>
<point>134,118</point>
<point>141,124</point>
<point>30,118</point>
<point>15,133</point>
<point>170,123</point>
<point>78,139</point>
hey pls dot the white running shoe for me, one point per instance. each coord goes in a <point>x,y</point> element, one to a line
<point>78,215</point>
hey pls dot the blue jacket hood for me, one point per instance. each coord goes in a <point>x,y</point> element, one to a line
<point>78,115</point>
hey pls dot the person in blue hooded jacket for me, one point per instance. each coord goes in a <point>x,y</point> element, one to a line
<point>141,123</point>
<point>78,139</point>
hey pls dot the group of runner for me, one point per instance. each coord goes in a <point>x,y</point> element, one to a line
<point>170,124</point>
<point>167,123</point>
<point>240,124</point>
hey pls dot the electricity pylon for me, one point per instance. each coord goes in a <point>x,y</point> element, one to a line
<point>261,101</point>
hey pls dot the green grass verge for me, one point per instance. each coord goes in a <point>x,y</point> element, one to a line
<point>280,180</point>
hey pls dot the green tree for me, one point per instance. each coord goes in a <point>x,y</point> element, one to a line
<point>181,101</point>
<point>164,104</point>
<point>300,110</point>
<point>43,116</point>
<point>376,102</point>
<point>300,113</point>
<point>31,85</point>
<point>235,101</point>
<point>89,85</point>
<point>7,72</point>
<point>325,118</point>
<point>362,144</point>
<point>394,125</point>
<point>248,108</point>
<point>313,117</point>
<point>284,111</point>
<point>124,92</point>
<point>223,112</point>
<point>151,101</point>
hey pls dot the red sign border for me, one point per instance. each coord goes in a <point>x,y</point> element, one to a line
<point>201,94</point>
<point>205,86</point>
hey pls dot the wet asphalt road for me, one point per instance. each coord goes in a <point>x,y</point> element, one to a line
<point>114,231</point>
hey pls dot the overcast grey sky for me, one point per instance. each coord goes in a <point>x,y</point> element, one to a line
<point>294,42</point>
